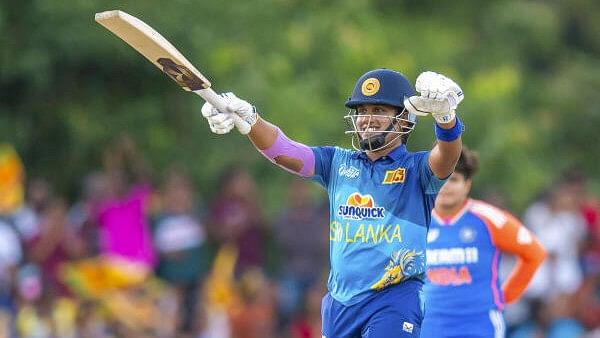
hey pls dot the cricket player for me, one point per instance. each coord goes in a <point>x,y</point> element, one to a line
<point>464,298</point>
<point>381,196</point>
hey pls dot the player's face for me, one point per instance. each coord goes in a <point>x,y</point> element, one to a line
<point>454,193</point>
<point>373,119</point>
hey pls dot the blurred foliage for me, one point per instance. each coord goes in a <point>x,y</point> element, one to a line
<point>530,71</point>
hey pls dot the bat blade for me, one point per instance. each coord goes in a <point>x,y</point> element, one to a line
<point>154,47</point>
<point>165,56</point>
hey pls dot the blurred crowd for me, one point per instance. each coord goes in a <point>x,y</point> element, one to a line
<point>563,299</point>
<point>145,256</point>
<point>130,259</point>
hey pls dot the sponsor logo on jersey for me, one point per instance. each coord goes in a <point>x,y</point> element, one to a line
<point>455,255</point>
<point>360,207</point>
<point>350,172</point>
<point>394,176</point>
<point>450,276</point>
<point>467,234</point>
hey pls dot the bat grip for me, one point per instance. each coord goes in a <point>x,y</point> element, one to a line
<point>219,102</point>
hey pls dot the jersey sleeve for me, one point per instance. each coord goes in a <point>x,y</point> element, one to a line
<point>323,159</point>
<point>510,236</point>
<point>431,185</point>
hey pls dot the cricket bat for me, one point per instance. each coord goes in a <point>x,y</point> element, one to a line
<point>165,56</point>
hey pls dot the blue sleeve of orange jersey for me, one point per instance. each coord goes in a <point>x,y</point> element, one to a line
<point>430,184</point>
<point>323,159</point>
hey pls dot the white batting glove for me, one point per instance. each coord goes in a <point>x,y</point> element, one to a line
<point>219,123</point>
<point>240,114</point>
<point>242,108</point>
<point>439,97</point>
<point>223,122</point>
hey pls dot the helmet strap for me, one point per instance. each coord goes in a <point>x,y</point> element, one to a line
<point>377,141</point>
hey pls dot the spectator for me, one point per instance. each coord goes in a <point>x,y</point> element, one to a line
<point>307,323</point>
<point>236,217</point>
<point>27,219</point>
<point>10,257</point>
<point>255,315</point>
<point>552,318</point>
<point>302,234</point>
<point>558,224</point>
<point>587,300</point>
<point>125,236</point>
<point>12,180</point>
<point>180,240</point>
<point>55,244</point>
<point>557,221</point>
<point>81,214</point>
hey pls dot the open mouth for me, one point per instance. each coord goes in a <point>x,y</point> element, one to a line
<point>370,131</point>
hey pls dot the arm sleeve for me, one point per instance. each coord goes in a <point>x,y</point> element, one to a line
<point>284,146</point>
<point>512,237</point>
<point>323,159</point>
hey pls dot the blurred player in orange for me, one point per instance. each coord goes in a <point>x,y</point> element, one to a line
<point>463,296</point>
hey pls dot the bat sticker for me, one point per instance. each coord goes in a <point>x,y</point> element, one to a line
<point>182,75</point>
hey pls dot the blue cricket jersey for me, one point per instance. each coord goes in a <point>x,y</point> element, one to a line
<point>463,261</point>
<point>379,215</point>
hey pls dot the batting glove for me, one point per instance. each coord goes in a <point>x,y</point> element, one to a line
<point>240,114</point>
<point>439,97</point>
<point>219,123</point>
<point>241,108</point>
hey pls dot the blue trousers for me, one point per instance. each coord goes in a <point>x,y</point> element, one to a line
<point>394,312</point>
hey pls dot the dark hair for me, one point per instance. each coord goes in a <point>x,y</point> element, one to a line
<point>468,163</point>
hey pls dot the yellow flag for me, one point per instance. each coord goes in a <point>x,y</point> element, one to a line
<point>12,179</point>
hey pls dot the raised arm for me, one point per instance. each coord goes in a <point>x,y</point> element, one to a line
<point>268,139</point>
<point>444,155</point>
<point>263,134</point>
<point>439,97</point>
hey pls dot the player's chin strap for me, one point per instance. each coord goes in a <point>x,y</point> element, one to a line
<point>376,142</point>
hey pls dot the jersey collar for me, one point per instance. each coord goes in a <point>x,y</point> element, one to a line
<point>396,154</point>
<point>452,219</point>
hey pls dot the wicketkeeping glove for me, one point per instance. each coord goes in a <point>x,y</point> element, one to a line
<point>439,97</point>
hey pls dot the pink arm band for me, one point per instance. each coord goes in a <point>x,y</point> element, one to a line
<point>284,146</point>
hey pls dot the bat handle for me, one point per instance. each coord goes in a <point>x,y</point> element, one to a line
<point>219,102</point>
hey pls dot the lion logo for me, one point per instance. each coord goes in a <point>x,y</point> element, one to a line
<point>402,264</point>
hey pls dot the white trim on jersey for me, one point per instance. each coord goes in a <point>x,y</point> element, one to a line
<point>498,323</point>
<point>495,215</point>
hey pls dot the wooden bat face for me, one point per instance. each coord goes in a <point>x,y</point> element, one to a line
<point>153,47</point>
<point>165,56</point>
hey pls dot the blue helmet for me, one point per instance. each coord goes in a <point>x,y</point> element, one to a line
<point>380,87</point>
